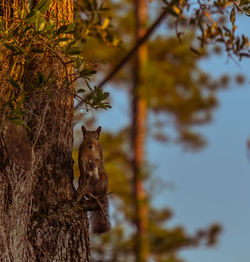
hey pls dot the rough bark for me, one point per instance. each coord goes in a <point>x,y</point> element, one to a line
<point>139,106</point>
<point>41,217</point>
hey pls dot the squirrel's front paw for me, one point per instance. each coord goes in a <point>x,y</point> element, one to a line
<point>86,198</point>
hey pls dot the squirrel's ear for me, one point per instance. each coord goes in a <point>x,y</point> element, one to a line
<point>98,130</point>
<point>83,130</point>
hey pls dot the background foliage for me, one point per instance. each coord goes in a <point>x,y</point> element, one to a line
<point>178,93</point>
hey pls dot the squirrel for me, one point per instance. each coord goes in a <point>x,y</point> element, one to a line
<point>93,180</point>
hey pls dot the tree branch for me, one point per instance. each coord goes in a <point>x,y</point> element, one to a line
<point>130,54</point>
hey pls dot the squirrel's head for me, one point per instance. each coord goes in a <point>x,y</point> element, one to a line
<point>91,137</point>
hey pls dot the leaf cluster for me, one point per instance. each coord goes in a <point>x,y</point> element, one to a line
<point>92,21</point>
<point>207,17</point>
<point>32,39</point>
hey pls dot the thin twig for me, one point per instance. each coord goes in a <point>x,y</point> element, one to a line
<point>131,53</point>
<point>101,206</point>
<point>41,126</point>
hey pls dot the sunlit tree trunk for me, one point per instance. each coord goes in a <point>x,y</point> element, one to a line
<point>40,220</point>
<point>139,114</point>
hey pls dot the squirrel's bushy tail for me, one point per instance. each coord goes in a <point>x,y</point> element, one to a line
<point>100,222</point>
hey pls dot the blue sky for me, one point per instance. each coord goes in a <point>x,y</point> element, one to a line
<point>212,185</point>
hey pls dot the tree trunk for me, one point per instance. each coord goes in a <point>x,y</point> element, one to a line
<point>40,218</point>
<point>139,106</point>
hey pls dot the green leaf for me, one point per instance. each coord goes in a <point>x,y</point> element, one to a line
<point>1,24</point>
<point>17,121</point>
<point>63,39</point>
<point>40,77</point>
<point>102,106</point>
<point>49,27</point>
<point>42,25</point>
<point>70,28</point>
<point>195,51</point>
<point>73,51</point>
<point>37,50</point>
<point>232,16</point>
<point>69,45</point>
<point>105,95</point>
<point>66,29</point>
<point>61,29</point>
<point>51,73</point>
<point>31,14</point>
<point>65,82</point>
<point>244,2</point>
<point>10,47</point>
<point>15,84</point>
<point>43,6</point>
<point>87,72</point>
<point>81,91</point>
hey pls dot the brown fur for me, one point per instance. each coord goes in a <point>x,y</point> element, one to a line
<point>93,178</point>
